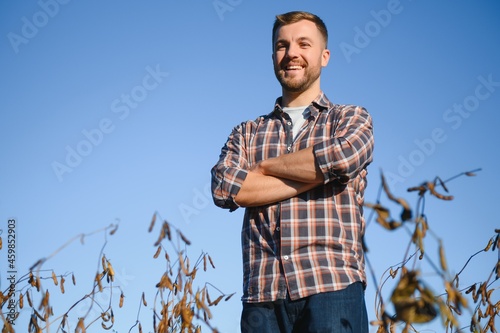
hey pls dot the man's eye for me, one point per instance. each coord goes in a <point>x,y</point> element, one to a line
<point>305,45</point>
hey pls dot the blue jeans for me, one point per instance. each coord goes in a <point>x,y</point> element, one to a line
<point>342,311</point>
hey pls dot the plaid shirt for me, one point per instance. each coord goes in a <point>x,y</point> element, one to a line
<point>310,243</point>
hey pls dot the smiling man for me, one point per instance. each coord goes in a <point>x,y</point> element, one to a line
<point>300,172</point>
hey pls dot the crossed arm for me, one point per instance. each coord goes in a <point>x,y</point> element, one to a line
<point>280,178</point>
<point>340,157</point>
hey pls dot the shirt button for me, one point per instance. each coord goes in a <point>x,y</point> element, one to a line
<point>289,148</point>
<point>277,228</point>
<point>289,123</point>
<point>286,257</point>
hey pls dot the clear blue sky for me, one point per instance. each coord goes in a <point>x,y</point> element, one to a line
<point>112,110</point>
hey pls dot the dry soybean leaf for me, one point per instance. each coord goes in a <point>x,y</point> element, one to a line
<point>39,315</point>
<point>421,189</point>
<point>103,263</point>
<point>184,239</point>
<point>165,282</point>
<point>38,284</point>
<point>198,300</point>
<point>490,243</point>
<point>152,224</point>
<point>112,232</point>
<point>488,294</point>
<point>182,264</point>
<point>62,284</point>
<point>80,327</point>
<point>442,257</point>
<point>218,300</point>
<point>211,262</point>
<point>229,297</point>
<point>432,189</point>
<point>384,216</point>
<point>1,243</point>
<point>98,278</point>
<point>45,301</point>
<point>157,253</point>
<point>144,300</point>
<point>193,273</point>
<point>205,263</point>
<point>482,292</point>
<point>208,297</point>
<point>179,283</point>
<point>30,302</point>
<point>73,279</point>
<point>33,325</point>
<point>111,272</point>
<point>63,321</point>
<point>167,230</point>
<point>406,214</point>
<point>164,232</point>
<point>21,300</point>
<point>496,243</point>
<point>122,297</point>
<point>54,278</point>
<point>471,289</point>
<point>393,273</point>
<point>418,240</point>
<point>31,279</point>
<point>408,308</point>
<point>204,290</point>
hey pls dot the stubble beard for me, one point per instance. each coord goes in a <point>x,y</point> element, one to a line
<point>295,85</point>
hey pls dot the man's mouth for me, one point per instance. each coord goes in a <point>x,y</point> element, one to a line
<point>293,67</point>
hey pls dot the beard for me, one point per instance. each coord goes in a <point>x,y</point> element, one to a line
<point>297,84</point>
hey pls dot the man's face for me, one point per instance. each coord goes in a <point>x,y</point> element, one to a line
<point>299,54</point>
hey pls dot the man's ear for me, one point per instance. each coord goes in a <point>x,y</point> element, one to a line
<point>325,57</point>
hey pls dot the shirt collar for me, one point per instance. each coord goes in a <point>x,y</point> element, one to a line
<point>320,103</point>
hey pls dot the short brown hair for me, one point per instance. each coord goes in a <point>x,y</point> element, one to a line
<point>296,16</point>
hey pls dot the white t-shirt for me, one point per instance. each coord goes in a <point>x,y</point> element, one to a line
<point>297,114</point>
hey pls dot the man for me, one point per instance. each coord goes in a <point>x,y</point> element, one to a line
<point>300,171</point>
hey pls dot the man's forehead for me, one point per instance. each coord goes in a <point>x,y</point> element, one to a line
<point>303,29</point>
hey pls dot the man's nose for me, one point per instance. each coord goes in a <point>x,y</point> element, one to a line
<point>292,51</point>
